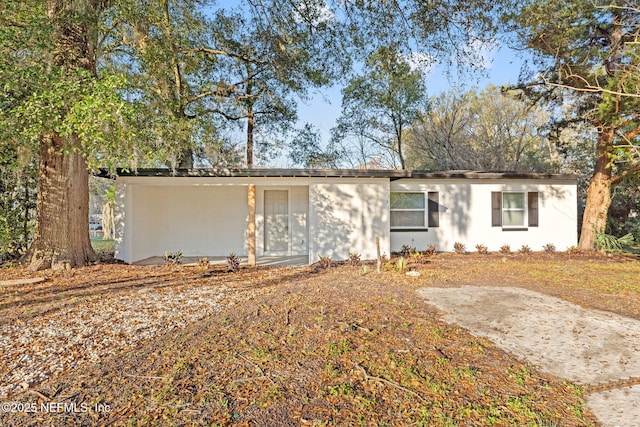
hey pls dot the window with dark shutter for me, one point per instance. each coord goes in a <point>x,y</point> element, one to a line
<point>496,208</point>
<point>407,210</point>
<point>532,204</point>
<point>433,208</point>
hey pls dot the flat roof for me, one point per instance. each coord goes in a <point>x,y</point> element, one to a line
<point>329,173</point>
<point>262,173</point>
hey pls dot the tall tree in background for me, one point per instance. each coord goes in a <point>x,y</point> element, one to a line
<point>381,104</point>
<point>486,130</point>
<point>591,49</point>
<point>305,150</point>
<point>277,58</point>
<point>158,46</point>
<point>18,181</point>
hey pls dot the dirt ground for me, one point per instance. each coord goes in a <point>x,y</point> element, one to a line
<point>293,346</point>
<point>587,346</point>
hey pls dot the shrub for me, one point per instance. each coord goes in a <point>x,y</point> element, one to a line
<point>573,250</point>
<point>607,242</point>
<point>388,266</point>
<point>459,248</point>
<point>325,261</point>
<point>354,259</point>
<point>549,248</point>
<point>419,258</point>
<point>401,264</point>
<point>524,249</point>
<point>233,262</point>
<point>173,258</point>
<point>407,250</point>
<point>505,249</point>
<point>431,250</point>
<point>482,249</point>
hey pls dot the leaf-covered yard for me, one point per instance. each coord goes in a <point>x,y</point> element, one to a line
<point>183,345</point>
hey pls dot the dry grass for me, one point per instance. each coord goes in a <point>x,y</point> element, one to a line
<point>324,347</point>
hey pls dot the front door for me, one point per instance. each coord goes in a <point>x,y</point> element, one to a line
<point>276,221</point>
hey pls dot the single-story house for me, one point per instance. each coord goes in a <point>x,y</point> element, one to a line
<point>314,213</point>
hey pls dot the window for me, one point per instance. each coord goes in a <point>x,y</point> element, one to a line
<point>513,213</point>
<point>408,210</point>
<point>512,210</point>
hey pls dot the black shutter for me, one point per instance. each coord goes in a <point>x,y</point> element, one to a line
<point>533,209</point>
<point>434,209</point>
<point>496,209</point>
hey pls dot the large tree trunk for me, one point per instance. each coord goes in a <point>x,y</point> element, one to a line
<point>62,220</point>
<point>61,237</point>
<point>594,220</point>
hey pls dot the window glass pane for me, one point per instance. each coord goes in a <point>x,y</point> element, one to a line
<point>407,218</point>
<point>407,200</point>
<point>513,200</point>
<point>511,218</point>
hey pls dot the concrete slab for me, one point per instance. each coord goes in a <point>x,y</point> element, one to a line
<point>586,346</point>
<point>619,407</point>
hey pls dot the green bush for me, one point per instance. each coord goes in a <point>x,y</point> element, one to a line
<point>607,242</point>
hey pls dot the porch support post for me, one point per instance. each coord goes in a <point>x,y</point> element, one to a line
<point>251,226</point>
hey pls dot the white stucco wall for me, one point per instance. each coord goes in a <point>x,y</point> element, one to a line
<point>197,220</point>
<point>347,216</point>
<point>328,216</point>
<point>466,214</point>
<point>208,216</point>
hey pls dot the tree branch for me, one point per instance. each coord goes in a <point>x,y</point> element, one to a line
<point>217,52</point>
<point>624,174</point>
<point>590,88</point>
<point>222,113</point>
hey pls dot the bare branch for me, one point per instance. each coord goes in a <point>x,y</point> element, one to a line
<point>624,174</point>
<point>590,89</point>
<point>217,52</point>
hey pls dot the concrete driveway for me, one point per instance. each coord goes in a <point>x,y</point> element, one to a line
<point>590,347</point>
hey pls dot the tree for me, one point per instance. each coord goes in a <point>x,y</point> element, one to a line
<point>275,58</point>
<point>18,180</point>
<point>61,236</point>
<point>154,44</point>
<point>487,130</point>
<point>52,94</point>
<point>305,150</point>
<point>591,49</point>
<point>381,104</point>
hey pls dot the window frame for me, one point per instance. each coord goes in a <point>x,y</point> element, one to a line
<point>524,210</point>
<point>424,211</point>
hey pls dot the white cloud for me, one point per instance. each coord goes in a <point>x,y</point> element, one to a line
<point>313,11</point>
<point>422,62</point>
<point>478,54</point>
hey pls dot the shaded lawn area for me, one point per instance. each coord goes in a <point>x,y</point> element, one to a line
<point>324,347</point>
<point>102,245</point>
